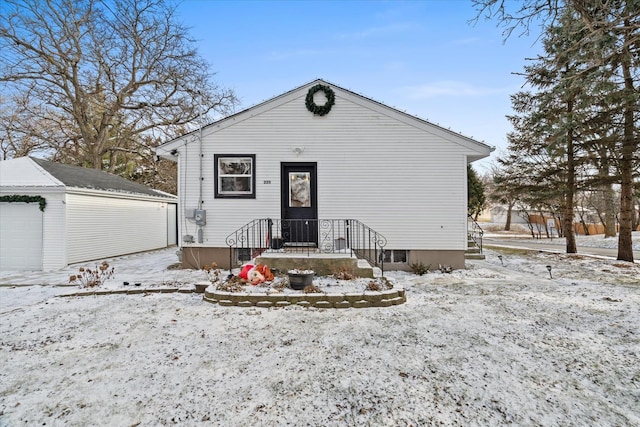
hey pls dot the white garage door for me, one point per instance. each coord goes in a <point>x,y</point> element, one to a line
<point>20,236</point>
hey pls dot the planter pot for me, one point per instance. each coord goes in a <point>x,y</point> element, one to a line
<point>277,243</point>
<point>298,281</point>
<point>200,287</point>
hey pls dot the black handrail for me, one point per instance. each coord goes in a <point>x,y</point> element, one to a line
<point>348,236</point>
<point>475,232</point>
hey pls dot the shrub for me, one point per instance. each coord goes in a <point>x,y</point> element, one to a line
<point>373,286</point>
<point>343,274</point>
<point>445,268</point>
<point>379,284</point>
<point>213,272</point>
<point>89,278</point>
<point>234,284</point>
<point>419,268</point>
<point>311,289</point>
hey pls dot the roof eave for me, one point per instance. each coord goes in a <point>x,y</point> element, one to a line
<point>164,150</point>
<point>162,197</point>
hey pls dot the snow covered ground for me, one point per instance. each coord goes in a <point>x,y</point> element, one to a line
<point>520,232</point>
<point>504,342</point>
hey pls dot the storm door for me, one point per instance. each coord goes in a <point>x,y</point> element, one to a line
<point>299,204</point>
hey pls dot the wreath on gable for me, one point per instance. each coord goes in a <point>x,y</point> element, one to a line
<point>320,110</point>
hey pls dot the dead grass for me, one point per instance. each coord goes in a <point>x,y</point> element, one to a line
<point>510,251</point>
<point>312,289</point>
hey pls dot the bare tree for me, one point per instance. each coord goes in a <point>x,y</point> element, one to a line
<point>22,133</point>
<point>115,77</point>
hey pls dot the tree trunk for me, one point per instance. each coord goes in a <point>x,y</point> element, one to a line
<point>609,213</point>
<point>583,223</point>
<point>507,225</point>
<point>557,223</point>
<point>625,243</point>
<point>544,223</point>
<point>569,232</point>
<point>525,215</point>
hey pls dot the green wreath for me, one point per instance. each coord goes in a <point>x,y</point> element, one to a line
<point>19,198</point>
<point>320,110</point>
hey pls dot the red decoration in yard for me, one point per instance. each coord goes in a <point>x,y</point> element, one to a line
<point>256,274</point>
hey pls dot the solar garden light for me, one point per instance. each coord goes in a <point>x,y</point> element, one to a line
<point>549,269</point>
<point>500,258</point>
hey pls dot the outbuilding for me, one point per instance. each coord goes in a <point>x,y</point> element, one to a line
<point>321,169</point>
<point>53,215</point>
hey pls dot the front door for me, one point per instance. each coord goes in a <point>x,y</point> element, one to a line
<point>299,204</point>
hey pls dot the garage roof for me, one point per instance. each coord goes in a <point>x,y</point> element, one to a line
<point>34,172</point>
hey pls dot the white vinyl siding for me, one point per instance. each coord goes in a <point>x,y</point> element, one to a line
<point>403,180</point>
<point>54,232</point>
<point>100,227</point>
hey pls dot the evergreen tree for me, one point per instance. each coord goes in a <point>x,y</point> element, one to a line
<point>475,194</point>
<point>606,48</point>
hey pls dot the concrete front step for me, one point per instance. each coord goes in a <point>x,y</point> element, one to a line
<point>473,251</point>
<point>301,249</point>
<point>323,264</point>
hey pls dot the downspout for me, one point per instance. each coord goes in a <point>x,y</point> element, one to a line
<point>200,237</point>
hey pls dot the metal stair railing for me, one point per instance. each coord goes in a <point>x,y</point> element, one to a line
<point>306,236</point>
<point>474,232</point>
<point>366,243</point>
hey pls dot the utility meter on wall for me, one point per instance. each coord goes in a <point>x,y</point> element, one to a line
<point>200,216</point>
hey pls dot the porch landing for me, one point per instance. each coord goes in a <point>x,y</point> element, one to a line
<point>324,264</point>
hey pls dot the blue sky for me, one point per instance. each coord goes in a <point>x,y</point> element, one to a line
<point>421,57</point>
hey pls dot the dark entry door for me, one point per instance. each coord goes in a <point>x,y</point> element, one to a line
<point>299,204</point>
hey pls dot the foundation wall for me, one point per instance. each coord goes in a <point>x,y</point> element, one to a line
<point>198,257</point>
<point>454,259</point>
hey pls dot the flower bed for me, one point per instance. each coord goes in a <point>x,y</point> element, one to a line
<point>363,299</point>
<point>326,292</point>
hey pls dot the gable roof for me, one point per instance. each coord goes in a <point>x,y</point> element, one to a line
<point>164,150</point>
<point>34,172</point>
<point>24,172</point>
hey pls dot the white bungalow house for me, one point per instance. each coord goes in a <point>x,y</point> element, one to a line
<point>54,215</point>
<point>324,168</point>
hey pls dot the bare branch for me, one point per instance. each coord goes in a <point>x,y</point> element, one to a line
<point>108,73</point>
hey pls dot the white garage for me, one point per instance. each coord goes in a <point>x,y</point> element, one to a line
<point>52,215</point>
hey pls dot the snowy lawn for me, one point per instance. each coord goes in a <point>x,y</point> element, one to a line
<point>490,345</point>
<point>520,232</point>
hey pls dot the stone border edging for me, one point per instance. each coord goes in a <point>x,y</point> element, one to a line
<point>129,291</point>
<point>243,299</point>
<point>318,300</point>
